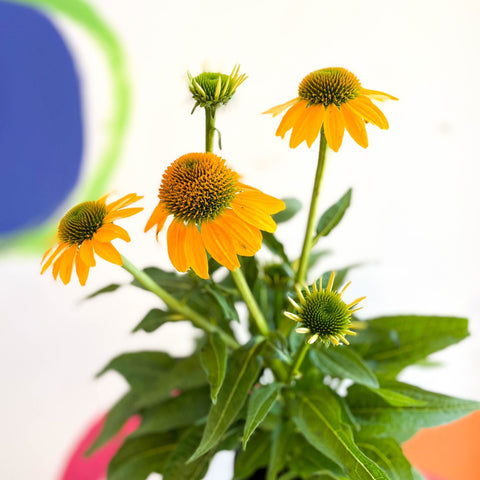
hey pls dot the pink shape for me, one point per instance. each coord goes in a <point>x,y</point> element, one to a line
<point>95,466</point>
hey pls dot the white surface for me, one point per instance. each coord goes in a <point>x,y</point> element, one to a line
<point>415,212</point>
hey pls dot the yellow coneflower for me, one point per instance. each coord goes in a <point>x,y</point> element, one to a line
<point>212,211</point>
<point>323,314</point>
<point>335,99</point>
<point>86,229</point>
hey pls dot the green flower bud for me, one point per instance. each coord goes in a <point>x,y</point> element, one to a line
<point>212,89</point>
<point>323,314</point>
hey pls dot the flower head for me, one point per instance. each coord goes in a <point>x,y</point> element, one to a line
<point>212,211</point>
<point>213,89</point>
<point>87,228</point>
<point>323,314</point>
<point>335,99</point>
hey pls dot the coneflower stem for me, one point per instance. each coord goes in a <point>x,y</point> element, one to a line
<point>297,360</point>
<point>209,128</point>
<point>197,319</point>
<point>250,301</point>
<point>312,215</point>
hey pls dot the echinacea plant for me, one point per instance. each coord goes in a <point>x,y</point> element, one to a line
<point>289,406</point>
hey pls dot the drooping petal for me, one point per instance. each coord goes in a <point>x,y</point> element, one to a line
<point>85,252</point>
<point>195,251</point>
<point>370,112</point>
<point>266,202</point>
<point>334,126</point>
<point>125,212</point>
<point>66,263</point>
<point>280,108</point>
<point>109,231</point>
<point>317,116</point>
<point>82,270</point>
<point>308,126</point>
<point>108,252</point>
<point>60,248</point>
<point>290,118</point>
<point>176,245</point>
<point>376,95</point>
<point>220,245</point>
<point>246,238</point>
<point>355,125</point>
<point>253,215</point>
<point>158,217</point>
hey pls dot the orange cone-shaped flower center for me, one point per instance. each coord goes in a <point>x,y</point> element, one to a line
<point>198,187</point>
<point>329,86</point>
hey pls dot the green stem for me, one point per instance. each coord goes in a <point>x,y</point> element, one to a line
<point>250,301</point>
<point>197,319</point>
<point>308,241</point>
<point>297,361</point>
<point>209,128</point>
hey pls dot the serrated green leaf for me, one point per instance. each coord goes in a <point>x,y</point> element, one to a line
<point>306,461</point>
<point>380,419</point>
<point>140,368</point>
<point>116,418</point>
<point>155,318</point>
<point>242,371</point>
<point>275,246</point>
<point>138,457</point>
<point>177,468</point>
<point>280,448</point>
<point>320,419</point>
<point>107,289</point>
<point>343,362</point>
<point>225,303</point>
<point>176,412</point>
<point>255,456</point>
<point>392,343</point>
<point>332,216</point>
<point>396,399</point>
<point>387,453</point>
<point>153,375</point>
<point>292,207</point>
<point>259,404</point>
<point>214,360</point>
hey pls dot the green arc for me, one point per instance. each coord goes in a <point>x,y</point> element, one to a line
<point>84,15</point>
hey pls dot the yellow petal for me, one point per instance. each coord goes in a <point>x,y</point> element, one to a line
<point>126,212</point>
<point>363,106</point>
<point>108,252</point>
<point>334,126</point>
<point>290,118</point>
<point>247,239</point>
<point>158,217</point>
<point>253,215</point>
<point>317,116</point>
<point>355,125</point>
<point>123,202</point>
<point>220,245</point>
<point>109,231</point>
<point>195,251</point>
<point>308,126</point>
<point>376,95</point>
<point>266,202</point>
<point>176,245</point>
<point>85,252</point>
<point>66,263</point>
<point>60,248</point>
<point>280,108</point>
<point>82,270</point>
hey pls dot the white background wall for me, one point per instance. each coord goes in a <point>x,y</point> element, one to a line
<point>415,211</point>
